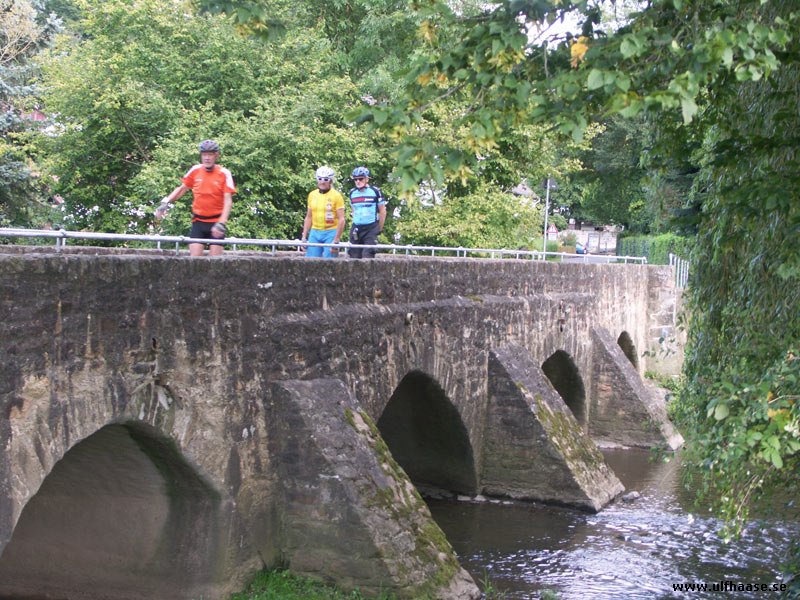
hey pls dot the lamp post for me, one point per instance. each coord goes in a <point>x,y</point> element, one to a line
<point>549,184</point>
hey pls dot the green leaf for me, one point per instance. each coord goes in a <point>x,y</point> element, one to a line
<point>407,181</point>
<point>721,412</point>
<point>689,109</point>
<point>454,160</point>
<point>577,134</point>
<point>595,79</point>
<point>727,57</point>
<point>627,48</point>
<point>633,109</point>
<point>380,116</point>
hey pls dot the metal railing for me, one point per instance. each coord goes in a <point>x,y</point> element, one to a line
<point>681,269</point>
<point>61,238</point>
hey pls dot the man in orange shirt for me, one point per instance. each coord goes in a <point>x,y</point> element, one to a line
<point>213,189</point>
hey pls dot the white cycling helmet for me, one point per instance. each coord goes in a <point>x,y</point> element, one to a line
<point>326,173</point>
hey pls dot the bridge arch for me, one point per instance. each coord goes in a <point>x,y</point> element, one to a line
<point>563,373</point>
<point>427,437</point>
<point>629,348</point>
<point>122,510</point>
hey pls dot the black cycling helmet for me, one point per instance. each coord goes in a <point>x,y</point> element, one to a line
<point>209,146</point>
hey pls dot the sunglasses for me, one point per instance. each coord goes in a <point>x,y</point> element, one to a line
<point>359,178</point>
<point>324,179</point>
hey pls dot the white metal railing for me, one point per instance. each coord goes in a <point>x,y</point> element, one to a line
<point>681,269</point>
<point>61,237</point>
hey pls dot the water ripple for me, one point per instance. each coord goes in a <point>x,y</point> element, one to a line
<point>636,551</point>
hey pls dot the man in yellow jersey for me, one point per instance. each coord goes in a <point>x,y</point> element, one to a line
<point>324,220</point>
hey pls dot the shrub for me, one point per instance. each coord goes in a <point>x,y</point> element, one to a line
<point>656,248</point>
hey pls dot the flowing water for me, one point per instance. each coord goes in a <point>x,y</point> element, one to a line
<point>636,550</point>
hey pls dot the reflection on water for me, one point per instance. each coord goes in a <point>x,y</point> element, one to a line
<point>636,550</point>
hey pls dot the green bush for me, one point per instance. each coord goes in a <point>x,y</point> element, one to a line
<point>553,247</point>
<point>656,248</point>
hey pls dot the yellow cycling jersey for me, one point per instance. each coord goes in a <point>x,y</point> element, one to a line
<point>323,208</point>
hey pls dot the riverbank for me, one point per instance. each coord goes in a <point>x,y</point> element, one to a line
<point>282,585</point>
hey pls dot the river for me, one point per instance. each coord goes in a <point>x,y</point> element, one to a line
<point>634,550</point>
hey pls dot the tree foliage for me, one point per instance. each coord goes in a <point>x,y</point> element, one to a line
<point>23,30</point>
<point>485,218</point>
<point>664,62</point>
<point>743,367</point>
<point>148,81</point>
<point>370,39</point>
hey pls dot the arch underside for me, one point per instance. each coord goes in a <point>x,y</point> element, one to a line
<point>562,372</point>
<point>628,348</point>
<point>120,516</point>
<point>427,437</point>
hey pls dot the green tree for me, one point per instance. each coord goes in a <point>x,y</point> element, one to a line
<point>486,218</point>
<point>743,362</point>
<point>369,39</point>
<point>612,174</point>
<point>148,81</point>
<point>663,63</point>
<point>626,183</point>
<point>22,32</point>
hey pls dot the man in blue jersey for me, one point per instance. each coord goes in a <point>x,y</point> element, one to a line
<point>369,213</point>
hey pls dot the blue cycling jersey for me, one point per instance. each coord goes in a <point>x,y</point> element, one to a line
<point>365,204</point>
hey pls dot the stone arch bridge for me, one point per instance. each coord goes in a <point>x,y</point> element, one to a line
<point>170,425</point>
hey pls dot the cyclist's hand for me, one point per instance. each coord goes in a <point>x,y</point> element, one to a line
<point>218,230</point>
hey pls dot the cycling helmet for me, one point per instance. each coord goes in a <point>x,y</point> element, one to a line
<point>360,172</point>
<point>325,173</point>
<point>209,146</point>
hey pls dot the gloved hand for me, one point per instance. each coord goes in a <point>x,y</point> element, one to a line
<point>162,209</point>
<point>218,230</point>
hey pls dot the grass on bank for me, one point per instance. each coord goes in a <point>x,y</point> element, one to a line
<point>282,585</point>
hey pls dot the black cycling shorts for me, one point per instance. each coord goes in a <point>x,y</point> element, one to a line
<point>201,230</point>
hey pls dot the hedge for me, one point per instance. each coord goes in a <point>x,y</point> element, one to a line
<point>656,248</point>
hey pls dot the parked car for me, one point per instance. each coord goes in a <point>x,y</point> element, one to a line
<point>581,249</point>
